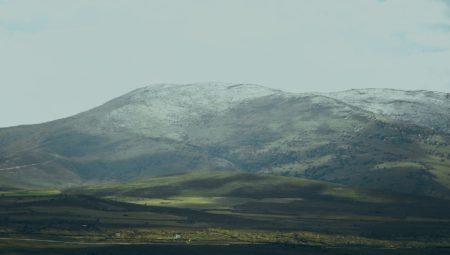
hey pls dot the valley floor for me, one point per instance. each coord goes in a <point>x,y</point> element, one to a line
<point>227,213</point>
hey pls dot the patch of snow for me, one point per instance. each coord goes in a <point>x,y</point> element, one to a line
<point>425,108</point>
<point>163,109</point>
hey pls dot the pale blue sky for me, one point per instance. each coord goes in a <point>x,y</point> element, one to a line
<point>60,57</point>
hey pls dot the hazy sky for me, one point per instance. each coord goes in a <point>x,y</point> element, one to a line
<point>61,57</point>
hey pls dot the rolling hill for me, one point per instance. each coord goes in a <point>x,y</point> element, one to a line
<point>165,129</point>
<point>226,208</point>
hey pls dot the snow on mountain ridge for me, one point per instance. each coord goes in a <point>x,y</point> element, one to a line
<point>163,109</point>
<point>424,108</point>
<point>218,96</point>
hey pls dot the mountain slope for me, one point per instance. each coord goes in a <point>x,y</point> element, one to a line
<point>320,138</point>
<point>165,129</point>
<point>425,108</point>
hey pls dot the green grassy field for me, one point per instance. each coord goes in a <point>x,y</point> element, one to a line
<point>222,208</point>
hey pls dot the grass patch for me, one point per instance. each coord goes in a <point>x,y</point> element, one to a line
<point>357,195</point>
<point>30,193</point>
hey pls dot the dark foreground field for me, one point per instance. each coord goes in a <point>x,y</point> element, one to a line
<point>221,213</point>
<point>9,247</point>
<point>261,249</point>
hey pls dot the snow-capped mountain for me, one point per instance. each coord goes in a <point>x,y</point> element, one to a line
<point>380,139</point>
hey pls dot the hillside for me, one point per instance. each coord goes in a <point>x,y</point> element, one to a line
<point>164,129</point>
<point>223,184</point>
<point>424,108</point>
<point>226,208</point>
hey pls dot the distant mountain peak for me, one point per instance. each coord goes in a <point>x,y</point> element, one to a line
<point>165,108</point>
<point>203,86</point>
